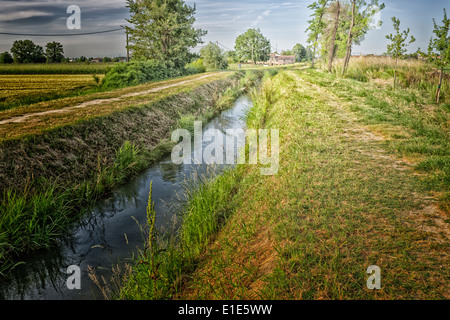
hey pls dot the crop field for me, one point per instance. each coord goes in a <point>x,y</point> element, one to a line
<point>18,90</point>
<point>60,68</point>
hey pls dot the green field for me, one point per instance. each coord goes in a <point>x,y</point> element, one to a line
<point>57,68</point>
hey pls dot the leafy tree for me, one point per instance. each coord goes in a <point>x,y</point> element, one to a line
<point>316,25</point>
<point>287,52</point>
<point>309,53</point>
<point>25,51</point>
<point>6,57</point>
<point>107,59</point>
<point>231,56</point>
<point>163,30</point>
<point>398,44</point>
<point>300,53</point>
<point>439,49</point>
<point>361,15</point>
<point>213,57</point>
<point>54,52</point>
<point>252,45</point>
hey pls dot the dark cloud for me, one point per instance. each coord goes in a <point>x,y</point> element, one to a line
<point>50,17</point>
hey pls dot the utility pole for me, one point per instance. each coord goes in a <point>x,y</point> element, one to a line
<point>128,50</point>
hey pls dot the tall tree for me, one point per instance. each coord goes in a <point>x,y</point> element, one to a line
<point>336,9</point>
<point>54,52</point>
<point>316,25</point>
<point>398,44</point>
<point>25,51</point>
<point>361,15</point>
<point>439,49</point>
<point>213,57</point>
<point>252,45</point>
<point>163,30</point>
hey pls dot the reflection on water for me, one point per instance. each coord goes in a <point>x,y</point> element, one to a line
<point>110,232</point>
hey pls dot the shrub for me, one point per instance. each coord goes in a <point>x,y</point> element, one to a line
<point>138,72</point>
<point>196,66</point>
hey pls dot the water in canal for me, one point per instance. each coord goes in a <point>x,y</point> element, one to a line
<point>110,232</point>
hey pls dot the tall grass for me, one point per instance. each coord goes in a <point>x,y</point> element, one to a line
<point>36,217</point>
<point>30,220</point>
<point>159,271</point>
<point>413,73</point>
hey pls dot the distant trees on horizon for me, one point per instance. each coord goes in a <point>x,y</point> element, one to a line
<point>26,51</point>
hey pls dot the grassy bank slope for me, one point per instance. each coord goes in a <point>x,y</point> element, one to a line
<point>350,193</point>
<point>40,117</point>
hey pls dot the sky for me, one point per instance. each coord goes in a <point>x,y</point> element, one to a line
<point>284,23</point>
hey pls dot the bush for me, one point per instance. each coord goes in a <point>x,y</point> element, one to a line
<point>138,72</point>
<point>196,66</point>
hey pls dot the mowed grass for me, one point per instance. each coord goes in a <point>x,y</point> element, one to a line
<point>348,195</point>
<point>16,90</point>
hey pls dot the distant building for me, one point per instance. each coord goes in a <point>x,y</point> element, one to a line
<point>97,60</point>
<point>278,59</point>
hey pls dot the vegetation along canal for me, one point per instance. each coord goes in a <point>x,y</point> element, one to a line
<point>111,231</point>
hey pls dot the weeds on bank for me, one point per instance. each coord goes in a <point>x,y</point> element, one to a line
<point>37,216</point>
<point>160,267</point>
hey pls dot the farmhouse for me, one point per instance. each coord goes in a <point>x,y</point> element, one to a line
<point>278,59</point>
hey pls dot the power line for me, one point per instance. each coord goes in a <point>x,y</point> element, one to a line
<point>224,46</point>
<point>58,35</point>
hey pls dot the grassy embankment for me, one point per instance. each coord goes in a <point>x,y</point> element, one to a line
<point>363,180</point>
<point>56,171</point>
<point>93,105</point>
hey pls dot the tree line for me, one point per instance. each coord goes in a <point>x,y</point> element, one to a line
<point>337,25</point>
<point>26,51</point>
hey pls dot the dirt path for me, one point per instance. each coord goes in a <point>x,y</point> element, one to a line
<point>26,117</point>
<point>340,203</point>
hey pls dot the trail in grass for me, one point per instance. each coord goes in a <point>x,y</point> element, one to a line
<point>26,117</point>
<point>340,203</point>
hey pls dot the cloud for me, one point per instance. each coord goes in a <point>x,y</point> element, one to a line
<point>11,16</point>
<point>261,17</point>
